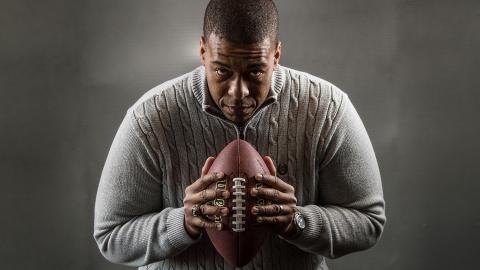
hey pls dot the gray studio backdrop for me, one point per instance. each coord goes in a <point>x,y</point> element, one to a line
<point>70,69</point>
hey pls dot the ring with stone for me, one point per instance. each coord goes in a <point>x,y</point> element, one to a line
<point>196,210</point>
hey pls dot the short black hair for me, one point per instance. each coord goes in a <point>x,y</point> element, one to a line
<point>242,21</point>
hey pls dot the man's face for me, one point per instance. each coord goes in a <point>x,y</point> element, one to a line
<point>238,76</point>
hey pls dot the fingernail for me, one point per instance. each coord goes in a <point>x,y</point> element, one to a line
<point>254,192</point>
<point>224,211</point>
<point>220,175</point>
<point>254,210</point>
<point>219,226</point>
<point>225,194</point>
<point>259,176</point>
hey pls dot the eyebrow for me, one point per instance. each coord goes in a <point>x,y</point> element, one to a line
<point>257,65</point>
<point>249,66</point>
<point>220,63</point>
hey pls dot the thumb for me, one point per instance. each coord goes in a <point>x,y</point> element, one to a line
<point>270,165</point>
<point>207,165</point>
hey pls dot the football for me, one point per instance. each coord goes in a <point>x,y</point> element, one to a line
<point>241,237</point>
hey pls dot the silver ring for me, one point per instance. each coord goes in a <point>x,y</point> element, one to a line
<point>195,210</point>
<point>280,209</point>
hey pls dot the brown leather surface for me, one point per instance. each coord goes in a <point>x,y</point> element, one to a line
<point>239,159</point>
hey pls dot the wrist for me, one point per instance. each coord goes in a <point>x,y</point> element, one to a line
<point>192,232</point>
<point>296,226</point>
<point>290,231</point>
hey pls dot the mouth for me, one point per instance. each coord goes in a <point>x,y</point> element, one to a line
<point>238,110</point>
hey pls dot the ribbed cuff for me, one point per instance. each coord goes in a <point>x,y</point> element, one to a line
<point>176,233</point>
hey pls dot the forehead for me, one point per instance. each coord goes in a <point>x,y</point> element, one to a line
<point>224,50</point>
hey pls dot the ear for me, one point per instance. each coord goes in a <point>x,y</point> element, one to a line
<point>203,49</point>
<point>278,53</point>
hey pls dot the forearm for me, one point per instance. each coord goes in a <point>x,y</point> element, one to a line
<point>143,239</point>
<point>350,212</point>
<point>334,231</point>
<point>132,225</point>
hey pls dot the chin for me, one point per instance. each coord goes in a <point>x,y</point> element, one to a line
<point>238,120</point>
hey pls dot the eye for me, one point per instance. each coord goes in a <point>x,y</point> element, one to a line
<point>221,72</point>
<point>256,73</point>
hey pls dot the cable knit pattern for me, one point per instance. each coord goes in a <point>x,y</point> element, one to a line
<point>307,125</point>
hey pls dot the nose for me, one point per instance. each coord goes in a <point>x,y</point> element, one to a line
<point>238,89</point>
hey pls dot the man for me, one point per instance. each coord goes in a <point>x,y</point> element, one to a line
<point>327,195</point>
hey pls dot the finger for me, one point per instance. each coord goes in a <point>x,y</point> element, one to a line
<point>270,165</point>
<point>274,182</point>
<point>274,195</point>
<point>208,195</point>
<point>272,210</point>
<point>207,165</point>
<point>204,181</point>
<point>274,220</point>
<point>205,224</point>
<point>206,209</point>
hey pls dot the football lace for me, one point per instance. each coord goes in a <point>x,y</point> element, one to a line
<point>239,208</point>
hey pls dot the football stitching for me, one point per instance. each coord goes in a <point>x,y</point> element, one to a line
<point>239,205</point>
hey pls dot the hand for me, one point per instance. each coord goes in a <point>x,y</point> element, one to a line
<point>197,195</point>
<point>279,214</point>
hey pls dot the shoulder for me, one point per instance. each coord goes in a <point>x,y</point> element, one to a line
<point>153,103</point>
<point>331,100</point>
<point>305,81</point>
<point>164,88</point>
<point>148,103</point>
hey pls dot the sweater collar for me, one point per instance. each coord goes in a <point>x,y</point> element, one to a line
<point>202,94</point>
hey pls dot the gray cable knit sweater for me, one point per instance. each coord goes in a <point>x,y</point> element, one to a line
<point>307,125</point>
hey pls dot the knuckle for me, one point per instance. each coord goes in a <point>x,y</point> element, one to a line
<point>212,225</point>
<point>203,196</point>
<point>269,179</point>
<point>219,193</point>
<point>210,210</point>
<point>294,200</point>
<point>209,178</point>
<point>192,221</point>
<point>209,194</point>
<point>208,225</point>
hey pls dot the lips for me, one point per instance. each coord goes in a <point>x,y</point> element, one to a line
<point>237,110</point>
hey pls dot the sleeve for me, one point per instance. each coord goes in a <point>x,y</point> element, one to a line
<point>131,227</point>
<point>351,214</point>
